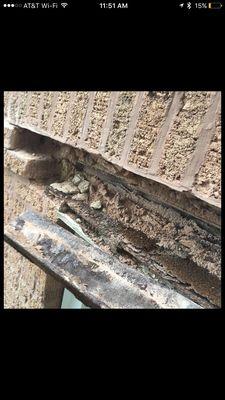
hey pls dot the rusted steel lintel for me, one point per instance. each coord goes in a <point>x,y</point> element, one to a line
<point>47,268</point>
<point>96,278</point>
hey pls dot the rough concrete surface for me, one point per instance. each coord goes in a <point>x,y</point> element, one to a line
<point>76,118</point>
<point>59,116</point>
<point>171,237</point>
<point>151,118</point>
<point>120,123</point>
<point>25,285</point>
<point>97,119</point>
<point>151,140</point>
<point>182,139</point>
<point>46,110</point>
<point>29,165</point>
<point>91,120</point>
<point>24,282</point>
<point>208,180</point>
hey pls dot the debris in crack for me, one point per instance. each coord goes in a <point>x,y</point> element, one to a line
<point>77,179</point>
<point>97,205</point>
<point>66,187</point>
<point>83,186</point>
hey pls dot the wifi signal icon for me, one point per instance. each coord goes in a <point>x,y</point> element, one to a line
<point>64,5</point>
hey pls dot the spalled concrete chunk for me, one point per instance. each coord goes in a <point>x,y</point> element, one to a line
<point>65,187</point>
<point>80,196</point>
<point>77,179</point>
<point>83,186</point>
<point>32,166</point>
<point>12,136</point>
<point>97,205</point>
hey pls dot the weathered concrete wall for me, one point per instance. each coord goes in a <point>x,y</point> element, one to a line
<point>170,139</point>
<point>25,285</point>
<point>155,134</point>
<point>24,282</point>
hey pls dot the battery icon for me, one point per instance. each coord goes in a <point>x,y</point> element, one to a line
<point>215,6</point>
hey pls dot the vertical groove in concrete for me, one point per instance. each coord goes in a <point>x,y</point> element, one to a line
<point>108,122</point>
<point>131,129</point>
<point>13,107</point>
<point>41,109</point>
<point>28,104</point>
<point>207,129</point>
<point>22,118</point>
<point>84,129</point>
<point>6,103</point>
<point>19,107</point>
<point>68,115</point>
<point>172,112</point>
<point>54,102</point>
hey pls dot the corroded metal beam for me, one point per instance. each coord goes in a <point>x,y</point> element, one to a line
<point>95,277</point>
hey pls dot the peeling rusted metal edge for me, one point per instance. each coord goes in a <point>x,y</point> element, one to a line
<point>207,129</point>
<point>112,285</point>
<point>139,99</point>
<point>47,268</point>
<point>84,128</point>
<point>108,121</point>
<point>158,149</point>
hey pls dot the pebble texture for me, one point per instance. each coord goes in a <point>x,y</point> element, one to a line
<point>106,123</point>
<point>59,116</point>
<point>97,119</point>
<point>120,123</point>
<point>96,122</point>
<point>76,117</point>
<point>24,282</point>
<point>183,137</point>
<point>32,113</point>
<point>46,110</point>
<point>150,120</point>
<point>208,180</point>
